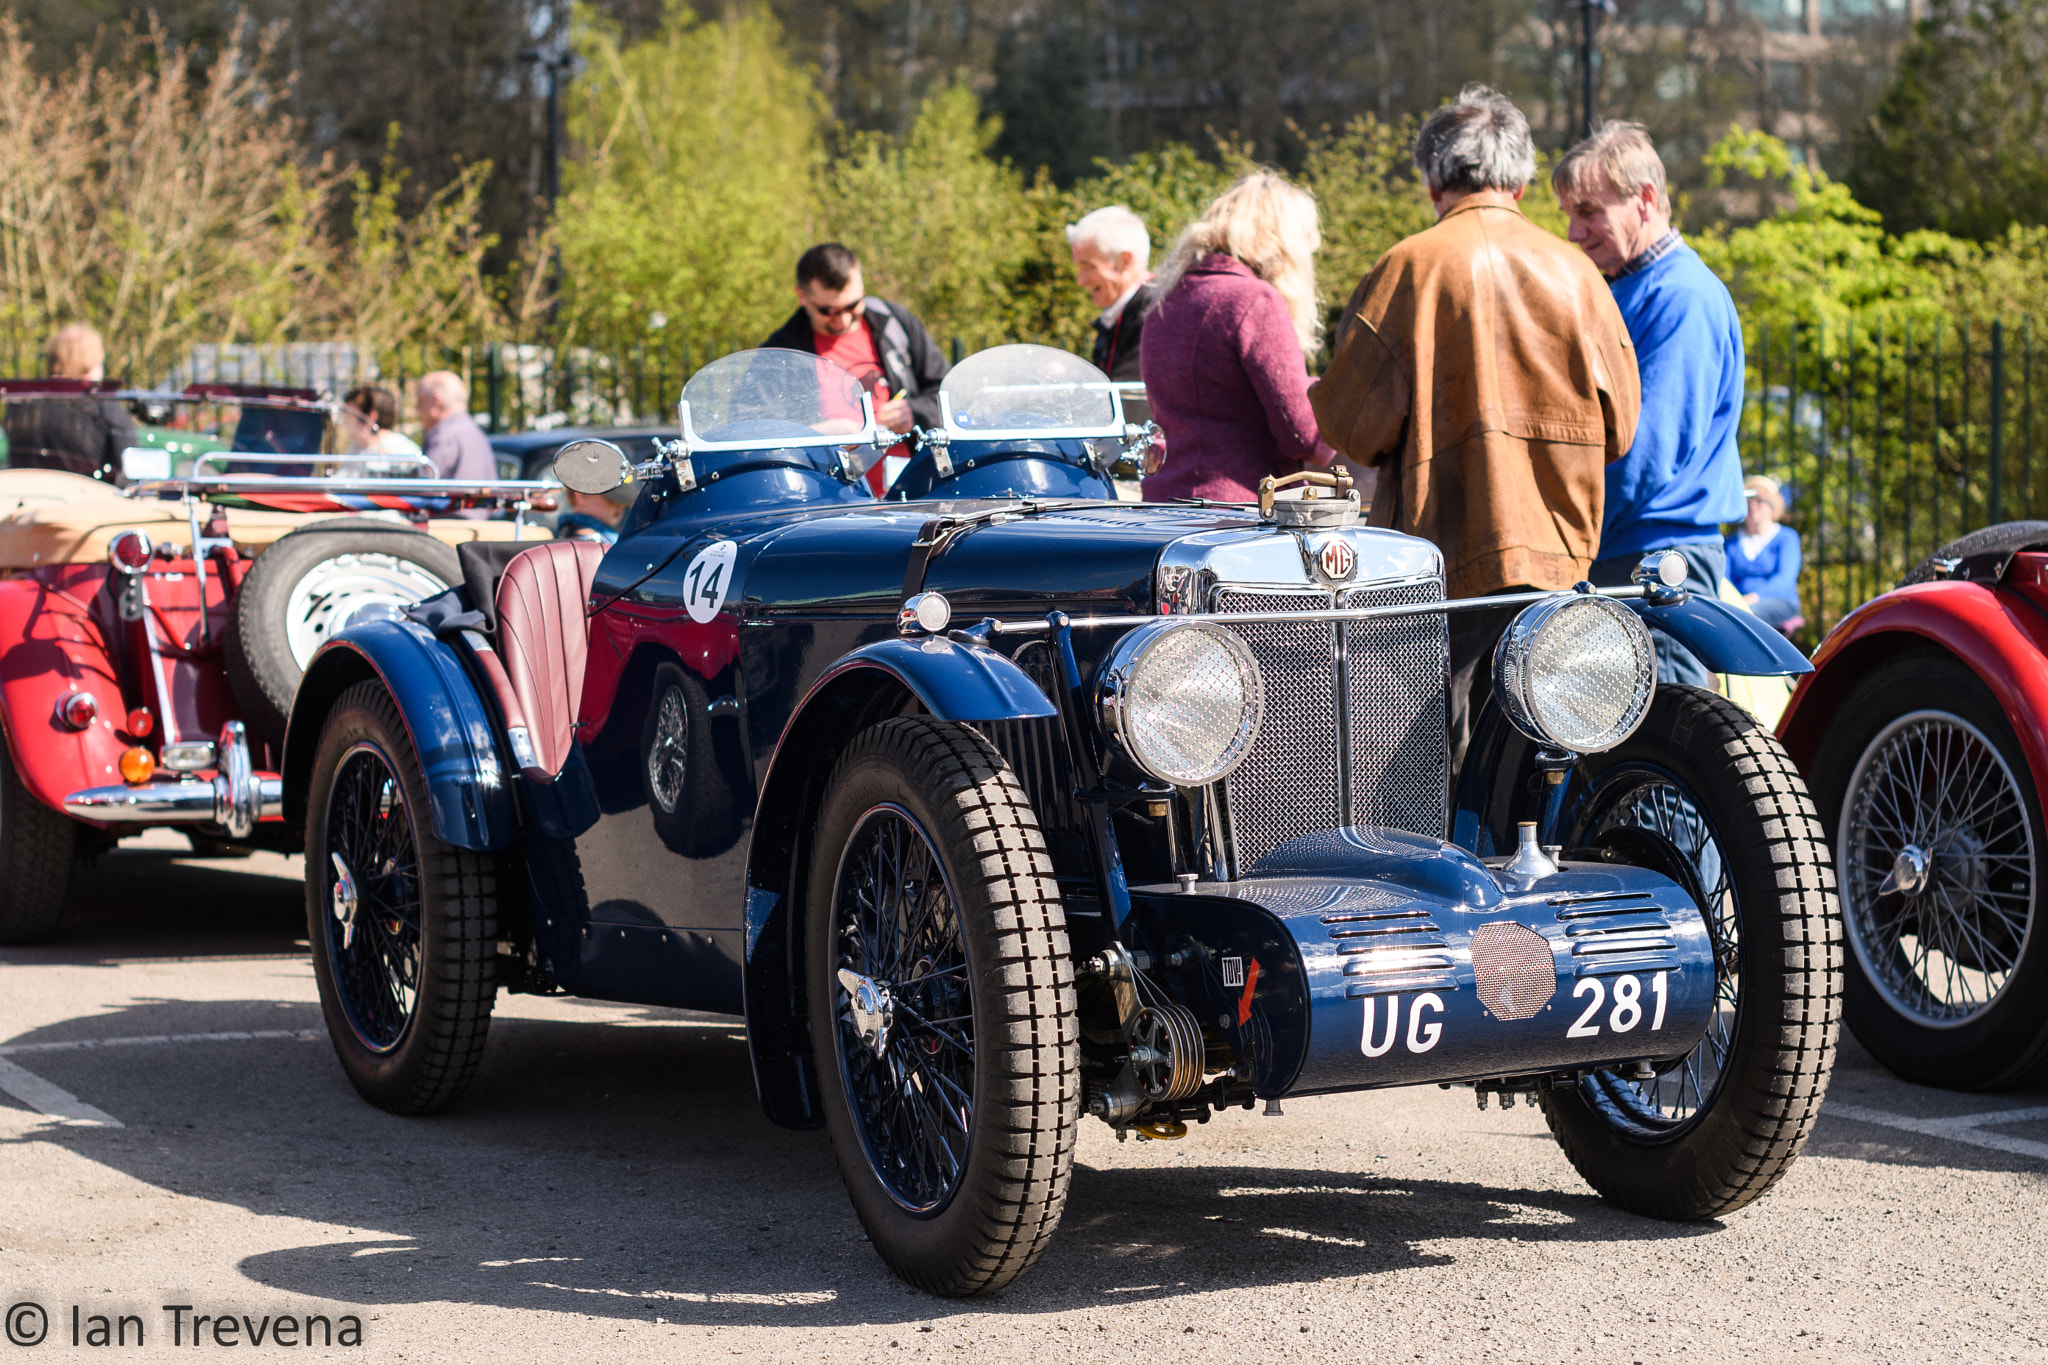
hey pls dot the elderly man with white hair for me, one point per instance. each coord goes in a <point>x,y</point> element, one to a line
<point>1682,478</point>
<point>455,443</point>
<point>1112,264</point>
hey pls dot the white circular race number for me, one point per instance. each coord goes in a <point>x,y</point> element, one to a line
<point>708,579</point>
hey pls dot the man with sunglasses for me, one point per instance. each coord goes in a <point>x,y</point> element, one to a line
<point>881,343</point>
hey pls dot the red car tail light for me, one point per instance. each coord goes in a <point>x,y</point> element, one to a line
<point>140,722</point>
<point>77,710</point>
<point>129,552</point>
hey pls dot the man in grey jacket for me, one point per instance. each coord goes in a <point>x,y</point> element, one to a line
<point>455,443</point>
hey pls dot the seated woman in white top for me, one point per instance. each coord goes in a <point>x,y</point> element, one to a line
<point>369,424</point>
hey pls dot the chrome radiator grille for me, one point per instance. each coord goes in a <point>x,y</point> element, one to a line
<point>1376,759</point>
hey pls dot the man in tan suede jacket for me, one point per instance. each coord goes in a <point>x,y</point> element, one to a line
<point>1484,368</point>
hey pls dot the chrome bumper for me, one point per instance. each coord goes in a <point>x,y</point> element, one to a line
<point>235,798</point>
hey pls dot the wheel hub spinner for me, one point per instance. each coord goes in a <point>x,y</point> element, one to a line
<point>872,1006</point>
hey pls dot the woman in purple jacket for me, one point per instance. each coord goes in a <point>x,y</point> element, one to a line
<point>1223,351</point>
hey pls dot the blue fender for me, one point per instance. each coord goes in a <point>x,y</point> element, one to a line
<point>468,791</point>
<point>1726,639</point>
<point>954,681</point>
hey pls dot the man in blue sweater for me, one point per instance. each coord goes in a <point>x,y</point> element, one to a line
<point>1682,478</point>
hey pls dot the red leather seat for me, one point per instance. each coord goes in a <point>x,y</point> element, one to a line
<point>543,642</point>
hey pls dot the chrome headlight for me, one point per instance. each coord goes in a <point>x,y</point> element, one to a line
<point>1576,672</point>
<point>1183,700</point>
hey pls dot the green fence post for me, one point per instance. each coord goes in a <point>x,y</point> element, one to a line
<point>959,351</point>
<point>1994,512</point>
<point>494,383</point>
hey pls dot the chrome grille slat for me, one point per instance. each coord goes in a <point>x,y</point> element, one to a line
<point>1394,679</point>
<point>1396,674</point>
<point>1288,784</point>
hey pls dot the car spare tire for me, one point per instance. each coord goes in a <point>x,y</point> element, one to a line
<point>311,585</point>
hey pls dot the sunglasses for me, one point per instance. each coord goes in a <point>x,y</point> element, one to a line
<point>849,309</point>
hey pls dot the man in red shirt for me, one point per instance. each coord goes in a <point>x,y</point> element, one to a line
<point>881,343</point>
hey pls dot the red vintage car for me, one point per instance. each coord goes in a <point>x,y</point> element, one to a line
<point>152,637</point>
<point>1923,733</point>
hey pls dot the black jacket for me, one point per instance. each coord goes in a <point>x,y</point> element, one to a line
<point>914,363</point>
<point>78,435</point>
<point>1116,348</point>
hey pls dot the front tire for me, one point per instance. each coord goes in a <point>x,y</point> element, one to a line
<point>1921,775</point>
<point>1707,796</point>
<point>36,848</point>
<point>403,925</point>
<point>941,1004</point>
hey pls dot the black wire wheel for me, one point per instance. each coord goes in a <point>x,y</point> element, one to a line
<point>941,1005</point>
<point>403,926</point>
<point>1938,845</point>
<point>1704,795</point>
<point>1648,816</point>
<point>668,755</point>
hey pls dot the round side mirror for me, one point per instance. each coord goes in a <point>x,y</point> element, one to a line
<point>592,466</point>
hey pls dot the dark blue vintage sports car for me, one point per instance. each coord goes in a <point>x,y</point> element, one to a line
<point>998,803</point>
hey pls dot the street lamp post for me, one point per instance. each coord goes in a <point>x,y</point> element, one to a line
<point>1589,56</point>
<point>560,66</point>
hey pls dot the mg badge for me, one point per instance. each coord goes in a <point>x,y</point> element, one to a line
<point>1336,559</point>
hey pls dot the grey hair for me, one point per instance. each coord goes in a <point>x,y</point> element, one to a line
<point>1620,157</point>
<point>1479,141</point>
<point>1113,231</point>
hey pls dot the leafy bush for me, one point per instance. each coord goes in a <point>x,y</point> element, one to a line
<point>693,196</point>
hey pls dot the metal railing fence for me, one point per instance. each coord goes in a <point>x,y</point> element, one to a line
<point>1891,442</point>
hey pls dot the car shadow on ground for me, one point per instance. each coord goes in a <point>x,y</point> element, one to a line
<point>624,1170</point>
<point>160,901</point>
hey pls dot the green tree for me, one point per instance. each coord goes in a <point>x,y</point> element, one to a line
<point>694,194</point>
<point>1959,142</point>
<point>937,220</point>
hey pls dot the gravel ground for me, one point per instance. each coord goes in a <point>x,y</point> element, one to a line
<point>611,1187</point>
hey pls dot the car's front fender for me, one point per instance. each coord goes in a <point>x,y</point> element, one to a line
<point>949,680</point>
<point>1993,631</point>
<point>953,681</point>
<point>1726,639</point>
<point>468,782</point>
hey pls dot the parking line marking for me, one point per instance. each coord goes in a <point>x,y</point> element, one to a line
<point>1966,1128</point>
<point>231,1036</point>
<point>45,1098</point>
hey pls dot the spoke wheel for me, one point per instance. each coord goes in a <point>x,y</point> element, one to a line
<point>941,1005</point>
<point>668,757</point>
<point>1938,845</point>
<point>906,1010</point>
<point>1937,865</point>
<point>402,925</point>
<point>1643,813</point>
<point>374,944</point>
<point>1704,795</point>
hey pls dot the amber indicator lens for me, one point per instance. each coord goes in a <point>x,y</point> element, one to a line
<point>138,765</point>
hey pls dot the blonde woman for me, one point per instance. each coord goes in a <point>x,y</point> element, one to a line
<point>1224,352</point>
